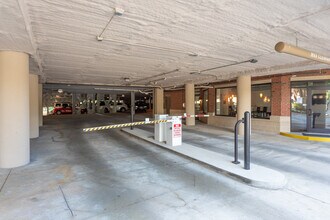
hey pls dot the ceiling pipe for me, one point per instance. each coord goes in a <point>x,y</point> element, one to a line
<point>155,76</point>
<point>218,67</point>
<point>282,47</point>
<point>117,11</point>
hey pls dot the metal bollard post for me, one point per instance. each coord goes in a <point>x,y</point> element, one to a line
<point>236,141</point>
<point>247,132</point>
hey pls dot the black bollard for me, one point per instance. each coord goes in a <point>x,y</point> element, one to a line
<point>247,133</point>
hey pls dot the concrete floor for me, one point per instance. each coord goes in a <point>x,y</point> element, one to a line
<point>110,175</point>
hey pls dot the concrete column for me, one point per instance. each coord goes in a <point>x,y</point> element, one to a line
<point>14,113</point>
<point>190,103</point>
<point>243,98</point>
<point>114,98</point>
<point>93,104</point>
<point>40,105</point>
<point>34,106</point>
<point>98,99</point>
<point>90,103</point>
<point>73,101</point>
<point>159,101</point>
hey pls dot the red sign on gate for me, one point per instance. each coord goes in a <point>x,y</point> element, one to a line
<point>177,130</point>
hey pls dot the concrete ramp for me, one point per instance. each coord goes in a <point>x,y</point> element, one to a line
<point>258,176</point>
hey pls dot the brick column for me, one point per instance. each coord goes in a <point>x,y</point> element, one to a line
<point>281,95</point>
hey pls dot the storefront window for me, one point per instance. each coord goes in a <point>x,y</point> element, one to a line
<point>298,106</point>
<point>205,101</point>
<point>197,101</point>
<point>226,101</point>
<point>261,101</point>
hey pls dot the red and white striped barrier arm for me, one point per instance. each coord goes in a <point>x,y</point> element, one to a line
<point>194,116</point>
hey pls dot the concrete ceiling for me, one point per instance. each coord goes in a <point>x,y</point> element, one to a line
<point>154,37</point>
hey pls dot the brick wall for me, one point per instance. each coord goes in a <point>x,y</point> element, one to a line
<point>281,95</point>
<point>177,98</point>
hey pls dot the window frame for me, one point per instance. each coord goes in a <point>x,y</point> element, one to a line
<point>215,106</point>
<point>204,101</point>
<point>270,103</point>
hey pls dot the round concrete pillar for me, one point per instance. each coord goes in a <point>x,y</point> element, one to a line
<point>190,103</point>
<point>14,113</point>
<point>243,98</point>
<point>34,106</point>
<point>159,101</point>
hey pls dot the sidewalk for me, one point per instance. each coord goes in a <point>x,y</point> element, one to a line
<point>258,176</point>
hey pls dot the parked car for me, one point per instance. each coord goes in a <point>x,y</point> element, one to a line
<point>62,108</point>
<point>108,106</point>
<point>121,106</point>
<point>104,107</point>
<point>141,106</point>
<point>82,109</point>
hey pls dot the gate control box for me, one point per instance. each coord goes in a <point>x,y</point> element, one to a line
<point>174,131</point>
<point>160,128</point>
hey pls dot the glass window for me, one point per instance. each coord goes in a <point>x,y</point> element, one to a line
<point>197,101</point>
<point>261,101</point>
<point>205,101</point>
<point>298,109</point>
<point>226,101</point>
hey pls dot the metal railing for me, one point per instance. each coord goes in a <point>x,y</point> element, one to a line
<point>247,133</point>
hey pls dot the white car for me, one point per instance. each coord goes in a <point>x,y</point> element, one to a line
<point>121,107</point>
<point>107,107</point>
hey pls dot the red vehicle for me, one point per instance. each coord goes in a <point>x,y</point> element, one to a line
<point>62,108</point>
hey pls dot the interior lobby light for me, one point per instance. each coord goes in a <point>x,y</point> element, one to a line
<point>261,95</point>
<point>282,47</point>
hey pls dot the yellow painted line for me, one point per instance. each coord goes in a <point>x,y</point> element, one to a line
<point>307,138</point>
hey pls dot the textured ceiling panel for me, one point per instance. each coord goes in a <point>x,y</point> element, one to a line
<point>154,37</point>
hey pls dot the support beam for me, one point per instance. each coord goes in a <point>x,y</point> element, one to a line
<point>159,101</point>
<point>98,99</point>
<point>14,116</point>
<point>243,98</point>
<point>34,106</point>
<point>190,103</point>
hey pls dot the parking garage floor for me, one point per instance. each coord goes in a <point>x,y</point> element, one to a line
<point>110,175</point>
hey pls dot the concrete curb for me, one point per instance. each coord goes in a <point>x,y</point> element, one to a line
<point>258,176</point>
<point>307,138</point>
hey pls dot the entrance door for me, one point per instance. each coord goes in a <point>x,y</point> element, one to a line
<point>318,109</point>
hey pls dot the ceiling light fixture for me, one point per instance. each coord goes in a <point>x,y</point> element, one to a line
<point>218,67</point>
<point>282,47</point>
